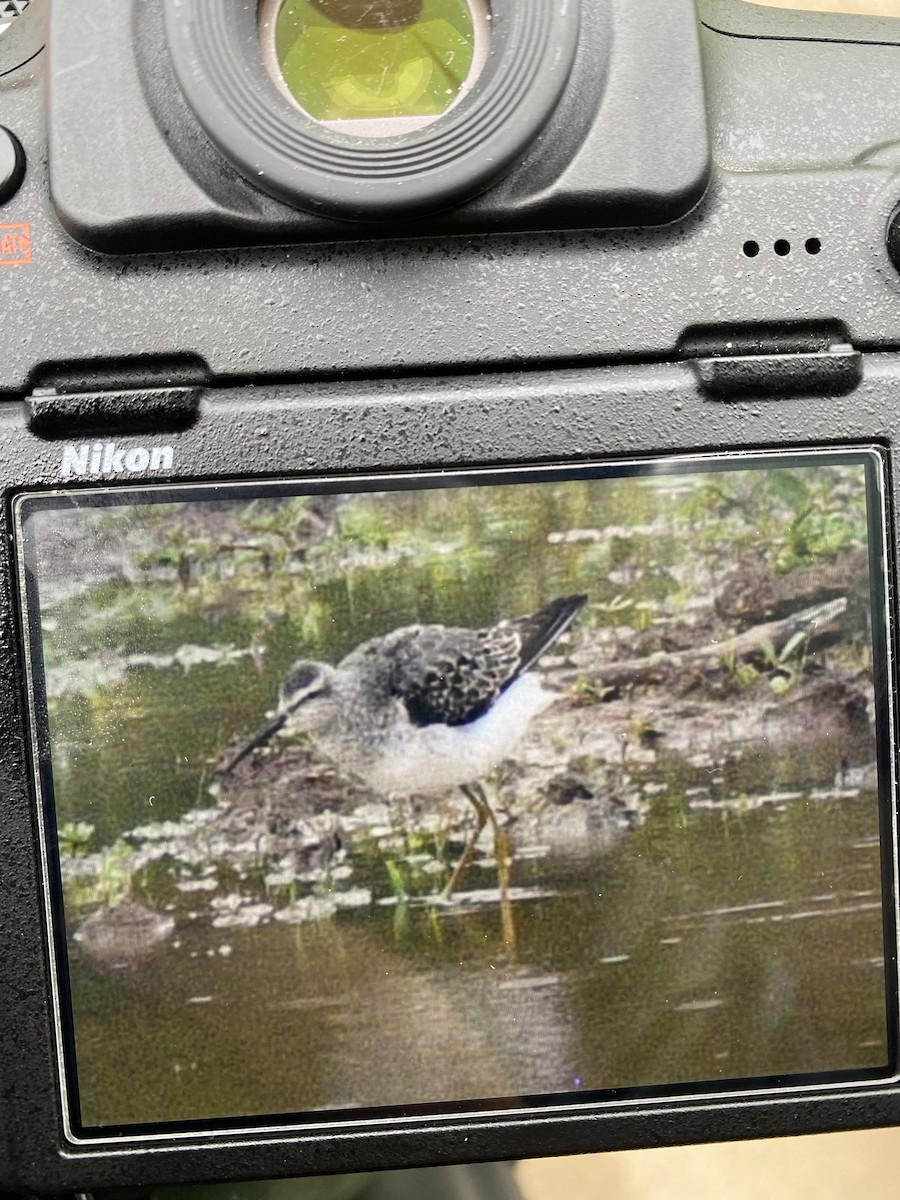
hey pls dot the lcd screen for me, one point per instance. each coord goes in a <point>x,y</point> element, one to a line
<point>423,794</point>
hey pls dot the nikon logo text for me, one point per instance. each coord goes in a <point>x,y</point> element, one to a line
<point>106,458</point>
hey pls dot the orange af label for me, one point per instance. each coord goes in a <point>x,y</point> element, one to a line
<point>15,245</point>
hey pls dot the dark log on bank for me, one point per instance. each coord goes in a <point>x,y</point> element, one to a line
<point>772,637</point>
<point>754,593</point>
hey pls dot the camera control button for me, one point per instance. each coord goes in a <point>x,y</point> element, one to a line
<point>12,165</point>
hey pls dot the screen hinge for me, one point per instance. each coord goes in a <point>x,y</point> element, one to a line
<point>772,361</point>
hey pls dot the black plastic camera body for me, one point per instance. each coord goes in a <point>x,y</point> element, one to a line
<point>682,255</point>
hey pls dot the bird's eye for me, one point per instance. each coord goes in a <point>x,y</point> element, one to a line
<point>301,677</point>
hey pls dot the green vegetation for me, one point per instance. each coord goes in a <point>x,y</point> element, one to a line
<point>109,884</point>
<point>74,837</point>
<point>789,518</point>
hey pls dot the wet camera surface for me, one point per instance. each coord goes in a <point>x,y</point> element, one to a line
<point>447,582</point>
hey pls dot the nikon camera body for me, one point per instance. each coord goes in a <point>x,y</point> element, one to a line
<point>447,596</point>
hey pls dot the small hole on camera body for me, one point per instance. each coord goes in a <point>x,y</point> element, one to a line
<point>782,247</point>
<point>751,249</point>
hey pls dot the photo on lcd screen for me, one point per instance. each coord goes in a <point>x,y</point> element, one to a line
<point>454,791</point>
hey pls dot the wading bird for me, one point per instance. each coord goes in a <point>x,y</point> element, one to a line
<point>426,708</point>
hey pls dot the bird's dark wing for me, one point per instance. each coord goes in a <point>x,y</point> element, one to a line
<point>452,676</point>
<point>539,631</point>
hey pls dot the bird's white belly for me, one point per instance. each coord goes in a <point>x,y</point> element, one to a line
<point>435,757</point>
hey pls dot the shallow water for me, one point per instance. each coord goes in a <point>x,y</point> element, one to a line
<point>738,946</point>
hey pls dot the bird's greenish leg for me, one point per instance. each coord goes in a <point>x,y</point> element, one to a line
<point>482,815</point>
<point>503,859</point>
<point>474,792</point>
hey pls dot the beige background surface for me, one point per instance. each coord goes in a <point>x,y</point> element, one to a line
<point>840,1166</point>
<point>843,1166</point>
<point>875,8</point>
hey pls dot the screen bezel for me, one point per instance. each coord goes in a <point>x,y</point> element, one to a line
<point>586,1104</point>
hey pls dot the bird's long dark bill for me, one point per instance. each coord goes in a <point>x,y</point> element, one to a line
<point>259,739</point>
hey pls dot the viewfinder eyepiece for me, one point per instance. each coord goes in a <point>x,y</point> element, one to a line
<point>373,110</point>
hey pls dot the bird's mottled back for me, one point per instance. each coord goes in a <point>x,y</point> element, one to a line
<point>451,676</point>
